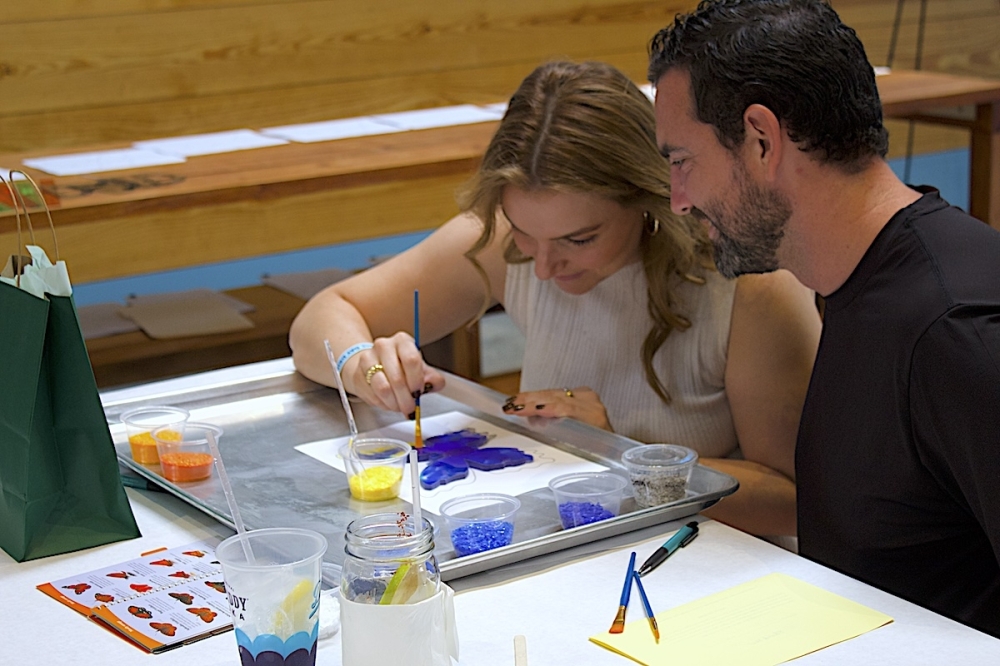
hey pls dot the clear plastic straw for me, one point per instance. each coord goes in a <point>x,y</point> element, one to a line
<point>418,518</point>
<point>340,388</point>
<point>227,488</point>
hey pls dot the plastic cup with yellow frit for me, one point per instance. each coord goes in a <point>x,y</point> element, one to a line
<point>142,421</point>
<point>374,467</point>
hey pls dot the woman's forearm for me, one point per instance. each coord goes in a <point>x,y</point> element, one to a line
<point>763,505</point>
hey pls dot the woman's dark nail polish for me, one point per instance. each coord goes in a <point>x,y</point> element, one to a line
<point>415,394</point>
<point>507,406</point>
<point>412,416</point>
<point>428,388</point>
<point>518,408</point>
<point>539,406</point>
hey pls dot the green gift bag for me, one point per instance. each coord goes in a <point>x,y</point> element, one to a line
<point>60,489</point>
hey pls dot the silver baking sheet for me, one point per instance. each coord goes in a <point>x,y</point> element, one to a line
<point>265,418</point>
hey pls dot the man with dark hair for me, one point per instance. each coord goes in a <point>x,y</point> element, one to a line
<point>770,117</point>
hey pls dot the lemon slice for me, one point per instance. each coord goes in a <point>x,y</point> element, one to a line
<point>293,614</point>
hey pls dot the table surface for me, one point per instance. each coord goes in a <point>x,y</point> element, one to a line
<point>557,601</point>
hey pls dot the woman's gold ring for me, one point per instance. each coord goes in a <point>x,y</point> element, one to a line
<point>370,372</point>
<point>569,394</point>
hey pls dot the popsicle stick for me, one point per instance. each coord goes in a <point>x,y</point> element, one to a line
<point>520,651</point>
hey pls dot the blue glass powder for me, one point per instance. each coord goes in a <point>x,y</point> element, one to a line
<point>477,537</point>
<point>582,513</point>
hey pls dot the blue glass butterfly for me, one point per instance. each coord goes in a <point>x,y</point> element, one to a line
<point>453,453</point>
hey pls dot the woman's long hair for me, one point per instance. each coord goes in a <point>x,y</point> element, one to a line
<point>585,127</point>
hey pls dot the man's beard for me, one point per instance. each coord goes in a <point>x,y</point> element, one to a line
<point>755,229</point>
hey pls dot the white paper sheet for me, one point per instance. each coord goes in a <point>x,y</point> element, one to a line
<point>209,144</point>
<point>497,109</point>
<point>549,462</point>
<point>464,114</point>
<point>103,160</point>
<point>5,172</point>
<point>330,130</point>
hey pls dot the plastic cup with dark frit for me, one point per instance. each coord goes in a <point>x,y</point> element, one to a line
<point>587,497</point>
<point>659,472</point>
<point>480,522</point>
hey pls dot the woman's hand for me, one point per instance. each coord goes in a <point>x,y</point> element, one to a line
<point>391,375</point>
<point>580,403</point>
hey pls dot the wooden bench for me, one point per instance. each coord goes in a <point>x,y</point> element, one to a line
<point>130,358</point>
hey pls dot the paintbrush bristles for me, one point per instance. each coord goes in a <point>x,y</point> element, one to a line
<point>618,626</point>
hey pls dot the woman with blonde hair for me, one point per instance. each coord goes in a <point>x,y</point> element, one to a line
<point>628,327</point>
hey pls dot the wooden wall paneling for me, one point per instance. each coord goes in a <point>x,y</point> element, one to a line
<point>54,65</point>
<point>15,11</point>
<point>960,35</point>
<point>91,126</point>
<point>959,39</point>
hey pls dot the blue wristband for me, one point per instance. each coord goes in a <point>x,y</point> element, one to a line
<point>351,351</point>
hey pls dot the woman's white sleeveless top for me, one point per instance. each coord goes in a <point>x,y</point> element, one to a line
<point>595,339</point>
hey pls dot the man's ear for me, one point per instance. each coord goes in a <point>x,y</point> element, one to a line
<point>763,138</point>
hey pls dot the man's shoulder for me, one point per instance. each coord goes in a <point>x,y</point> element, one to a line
<point>963,252</point>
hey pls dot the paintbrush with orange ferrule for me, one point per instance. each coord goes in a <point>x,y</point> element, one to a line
<point>618,626</point>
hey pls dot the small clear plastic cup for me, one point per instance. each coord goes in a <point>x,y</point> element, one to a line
<point>480,522</point>
<point>587,497</point>
<point>142,421</point>
<point>189,458</point>
<point>374,467</point>
<point>659,472</point>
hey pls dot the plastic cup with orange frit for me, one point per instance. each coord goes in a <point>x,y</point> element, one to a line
<point>189,458</point>
<point>142,421</point>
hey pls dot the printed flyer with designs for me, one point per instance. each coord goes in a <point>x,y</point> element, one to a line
<point>161,600</point>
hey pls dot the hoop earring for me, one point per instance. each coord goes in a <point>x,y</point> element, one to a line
<point>653,223</point>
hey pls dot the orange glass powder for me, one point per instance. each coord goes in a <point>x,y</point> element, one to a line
<point>186,466</point>
<point>144,446</point>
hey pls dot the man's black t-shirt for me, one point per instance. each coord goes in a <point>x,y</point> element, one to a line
<point>898,458</point>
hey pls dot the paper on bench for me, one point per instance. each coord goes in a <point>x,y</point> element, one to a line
<point>101,320</point>
<point>198,313</point>
<point>99,161</point>
<point>445,116</point>
<point>329,130</point>
<point>209,144</point>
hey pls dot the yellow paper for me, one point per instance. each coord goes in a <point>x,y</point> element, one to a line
<point>766,621</point>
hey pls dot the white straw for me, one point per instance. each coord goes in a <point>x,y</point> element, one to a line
<point>418,518</point>
<point>227,488</point>
<point>343,393</point>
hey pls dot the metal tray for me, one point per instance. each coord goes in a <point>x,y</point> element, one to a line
<point>265,417</point>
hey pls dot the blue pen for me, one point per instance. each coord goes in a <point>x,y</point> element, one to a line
<point>684,536</point>
<point>649,609</point>
<point>618,626</point>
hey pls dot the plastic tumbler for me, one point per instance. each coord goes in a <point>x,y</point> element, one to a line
<point>274,594</point>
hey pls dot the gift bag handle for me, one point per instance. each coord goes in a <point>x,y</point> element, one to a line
<point>17,217</point>
<point>27,217</point>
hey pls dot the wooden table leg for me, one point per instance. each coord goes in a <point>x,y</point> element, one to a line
<point>984,174</point>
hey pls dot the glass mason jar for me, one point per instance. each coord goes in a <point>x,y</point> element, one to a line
<point>386,563</point>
